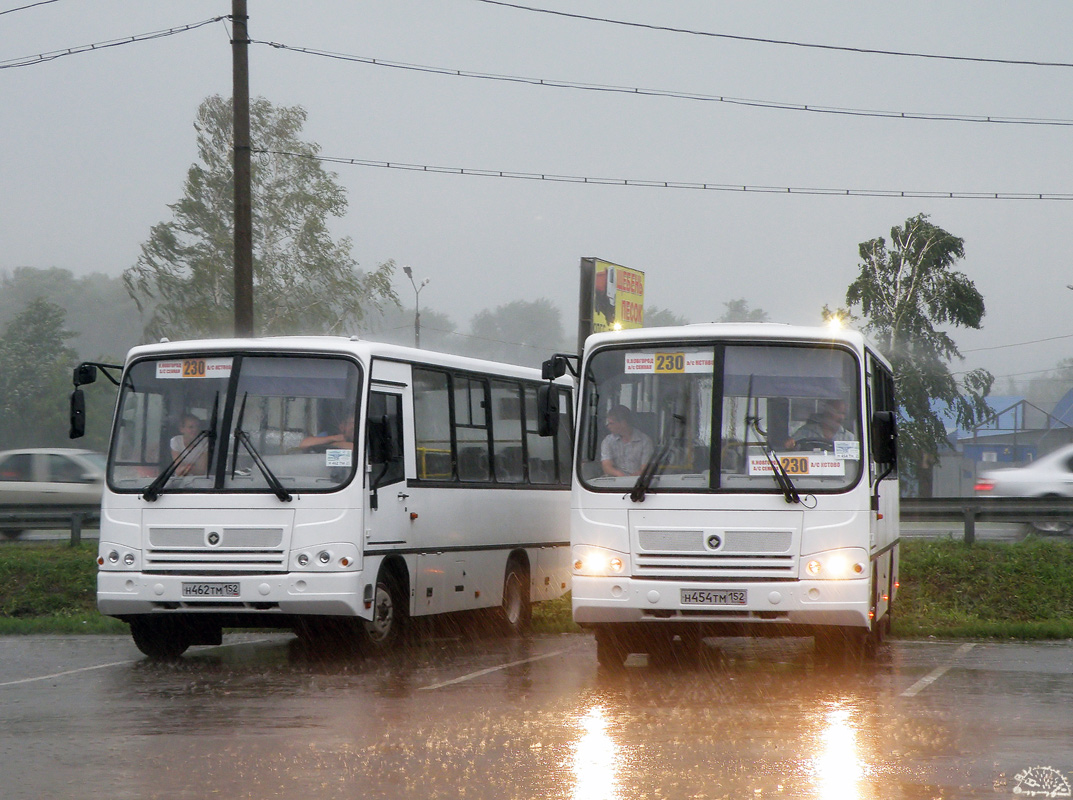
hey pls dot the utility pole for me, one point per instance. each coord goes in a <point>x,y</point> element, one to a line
<point>243,204</point>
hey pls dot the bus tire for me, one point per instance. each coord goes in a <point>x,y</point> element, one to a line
<point>612,646</point>
<point>384,632</point>
<point>516,611</point>
<point>160,638</point>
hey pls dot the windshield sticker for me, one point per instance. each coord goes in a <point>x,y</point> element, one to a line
<point>810,464</point>
<point>338,457</point>
<point>849,449</point>
<point>194,368</point>
<point>669,363</point>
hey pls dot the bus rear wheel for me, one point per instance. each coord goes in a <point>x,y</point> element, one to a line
<point>516,611</point>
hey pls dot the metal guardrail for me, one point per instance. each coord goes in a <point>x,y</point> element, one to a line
<point>44,517</point>
<point>985,509</point>
<point>969,510</point>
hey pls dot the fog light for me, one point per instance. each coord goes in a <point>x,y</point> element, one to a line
<point>128,559</point>
<point>113,557</point>
<point>615,564</point>
<point>303,559</point>
<point>814,567</point>
<point>324,557</point>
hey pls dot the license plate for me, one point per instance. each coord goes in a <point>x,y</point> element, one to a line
<point>210,590</point>
<point>714,597</point>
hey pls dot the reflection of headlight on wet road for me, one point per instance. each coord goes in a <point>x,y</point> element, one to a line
<point>595,761</point>
<point>837,767</point>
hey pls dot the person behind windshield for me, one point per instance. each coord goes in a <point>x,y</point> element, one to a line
<point>198,459</point>
<point>625,450</point>
<point>342,440</point>
<point>824,427</point>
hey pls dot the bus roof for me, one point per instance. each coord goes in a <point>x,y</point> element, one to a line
<point>767,331</point>
<point>362,349</point>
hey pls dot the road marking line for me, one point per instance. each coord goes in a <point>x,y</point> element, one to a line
<point>68,672</point>
<point>936,673</point>
<point>490,670</point>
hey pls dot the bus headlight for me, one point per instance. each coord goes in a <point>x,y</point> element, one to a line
<point>116,557</point>
<point>837,565</point>
<point>332,558</point>
<point>597,561</point>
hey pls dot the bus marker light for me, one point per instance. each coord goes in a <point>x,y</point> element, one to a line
<point>100,561</point>
<point>344,561</point>
<point>413,515</point>
<point>858,568</point>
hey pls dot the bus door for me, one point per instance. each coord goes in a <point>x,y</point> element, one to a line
<point>387,512</point>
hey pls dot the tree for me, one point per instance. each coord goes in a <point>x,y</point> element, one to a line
<point>656,317</point>
<point>522,332</point>
<point>904,293</point>
<point>304,282</point>
<point>37,363</point>
<point>739,311</point>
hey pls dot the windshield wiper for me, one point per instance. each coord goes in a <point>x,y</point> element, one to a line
<point>243,437</point>
<point>778,471</point>
<point>153,490</point>
<point>644,480</point>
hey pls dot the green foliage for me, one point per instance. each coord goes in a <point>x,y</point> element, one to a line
<point>905,292</point>
<point>986,589</point>
<point>522,332</point>
<point>304,282</point>
<point>36,363</point>
<point>739,311</point>
<point>656,317</point>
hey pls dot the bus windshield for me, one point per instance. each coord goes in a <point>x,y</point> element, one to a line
<point>235,423</point>
<point>720,417</point>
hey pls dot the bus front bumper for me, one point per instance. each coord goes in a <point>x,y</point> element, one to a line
<point>622,599</point>
<point>127,593</point>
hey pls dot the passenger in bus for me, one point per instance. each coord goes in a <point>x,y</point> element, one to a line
<point>342,440</point>
<point>196,461</point>
<point>625,450</point>
<point>823,428</point>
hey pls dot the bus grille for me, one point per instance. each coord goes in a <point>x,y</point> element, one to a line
<point>213,550</point>
<point>716,555</point>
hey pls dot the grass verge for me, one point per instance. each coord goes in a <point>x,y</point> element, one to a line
<point>948,589</point>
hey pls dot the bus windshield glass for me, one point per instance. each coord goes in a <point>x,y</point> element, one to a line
<point>721,417</point>
<point>235,423</point>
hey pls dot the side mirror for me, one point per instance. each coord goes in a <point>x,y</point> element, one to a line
<point>554,367</point>
<point>78,414</point>
<point>83,374</point>
<point>547,410</point>
<point>884,437</point>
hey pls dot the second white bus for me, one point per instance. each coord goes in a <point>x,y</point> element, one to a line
<point>749,516</point>
<point>323,480</point>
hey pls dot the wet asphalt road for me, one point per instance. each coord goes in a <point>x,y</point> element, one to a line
<point>261,717</point>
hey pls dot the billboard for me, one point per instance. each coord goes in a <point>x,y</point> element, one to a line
<point>612,297</point>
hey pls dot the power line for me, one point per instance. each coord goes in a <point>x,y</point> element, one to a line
<point>656,184</point>
<point>784,42</point>
<point>668,93</point>
<point>24,8</point>
<point>1019,344</point>
<point>40,58</point>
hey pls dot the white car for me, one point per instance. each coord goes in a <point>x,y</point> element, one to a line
<point>52,476</point>
<point>1050,475</point>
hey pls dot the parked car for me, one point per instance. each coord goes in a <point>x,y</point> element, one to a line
<point>1050,475</point>
<point>50,476</point>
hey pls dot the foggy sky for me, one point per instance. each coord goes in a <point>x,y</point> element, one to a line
<point>96,145</point>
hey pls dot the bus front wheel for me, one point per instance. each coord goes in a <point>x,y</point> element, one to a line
<point>384,631</point>
<point>160,638</point>
<point>612,646</point>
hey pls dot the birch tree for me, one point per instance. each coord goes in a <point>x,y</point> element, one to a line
<point>908,294</point>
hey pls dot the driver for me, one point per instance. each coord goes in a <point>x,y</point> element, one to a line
<point>625,450</point>
<point>825,426</point>
<point>343,440</point>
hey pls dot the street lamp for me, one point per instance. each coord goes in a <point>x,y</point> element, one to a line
<point>417,303</point>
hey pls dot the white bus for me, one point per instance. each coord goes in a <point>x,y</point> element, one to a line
<point>766,502</point>
<point>239,495</point>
